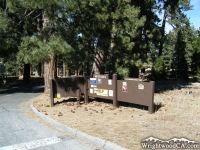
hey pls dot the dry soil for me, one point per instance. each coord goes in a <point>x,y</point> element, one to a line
<point>177,114</point>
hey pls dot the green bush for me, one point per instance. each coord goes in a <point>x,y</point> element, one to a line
<point>122,73</point>
<point>158,70</point>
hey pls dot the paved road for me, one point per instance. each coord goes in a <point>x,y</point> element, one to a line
<point>18,131</point>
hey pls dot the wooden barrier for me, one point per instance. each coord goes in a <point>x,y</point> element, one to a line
<point>136,92</point>
<point>64,87</point>
<point>129,90</point>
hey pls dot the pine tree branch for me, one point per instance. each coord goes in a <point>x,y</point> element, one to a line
<point>6,6</point>
<point>37,15</point>
<point>25,12</point>
<point>26,16</point>
<point>173,26</point>
<point>29,13</point>
<point>19,33</point>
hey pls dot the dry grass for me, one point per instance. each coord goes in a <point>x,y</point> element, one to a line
<point>179,116</point>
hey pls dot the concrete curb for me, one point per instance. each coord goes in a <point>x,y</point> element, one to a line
<point>85,137</point>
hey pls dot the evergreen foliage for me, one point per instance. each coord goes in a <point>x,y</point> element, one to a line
<point>158,71</point>
<point>33,50</point>
<point>183,51</point>
<point>198,73</point>
<point>122,36</point>
<point>107,27</point>
<point>196,57</point>
<point>173,15</point>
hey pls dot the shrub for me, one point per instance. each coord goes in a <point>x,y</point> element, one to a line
<point>158,70</point>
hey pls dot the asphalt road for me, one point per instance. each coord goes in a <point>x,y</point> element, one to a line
<point>18,131</point>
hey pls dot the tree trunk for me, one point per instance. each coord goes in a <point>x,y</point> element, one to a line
<point>112,68</point>
<point>20,73</point>
<point>69,72</point>
<point>50,72</point>
<point>162,33</point>
<point>39,69</point>
<point>64,70</point>
<point>57,69</point>
<point>98,65</point>
<point>26,75</point>
<point>31,70</point>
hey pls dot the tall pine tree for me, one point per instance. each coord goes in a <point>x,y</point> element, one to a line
<point>109,28</point>
<point>40,22</point>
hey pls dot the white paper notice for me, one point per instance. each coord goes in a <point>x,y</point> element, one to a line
<point>93,85</point>
<point>124,83</point>
<point>109,82</point>
<point>91,90</point>
<point>110,93</point>
<point>140,86</point>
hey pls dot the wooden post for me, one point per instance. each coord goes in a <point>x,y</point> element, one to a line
<point>151,105</point>
<point>85,87</point>
<point>51,93</point>
<point>115,102</point>
<point>78,95</point>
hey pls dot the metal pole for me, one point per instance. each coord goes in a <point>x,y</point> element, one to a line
<point>115,102</point>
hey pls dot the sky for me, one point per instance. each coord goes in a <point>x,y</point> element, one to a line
<point>194,14</point>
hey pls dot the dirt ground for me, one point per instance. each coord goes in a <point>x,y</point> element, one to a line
<point>177,114</point>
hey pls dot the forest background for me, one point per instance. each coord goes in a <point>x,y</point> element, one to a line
<point>99,36</point>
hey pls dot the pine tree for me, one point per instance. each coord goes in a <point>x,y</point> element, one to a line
<point>196,57</point>
<point>168,49</point>
<point>9,37</point>
<point>148,36</point>
<point>183,51</point>
<point>40,22</point>
<point>174,15</point>
<point>108,29</point>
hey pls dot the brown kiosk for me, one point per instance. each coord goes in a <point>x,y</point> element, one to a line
<point>130,90</point>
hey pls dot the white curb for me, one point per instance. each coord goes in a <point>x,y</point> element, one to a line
<point>85,137</point>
